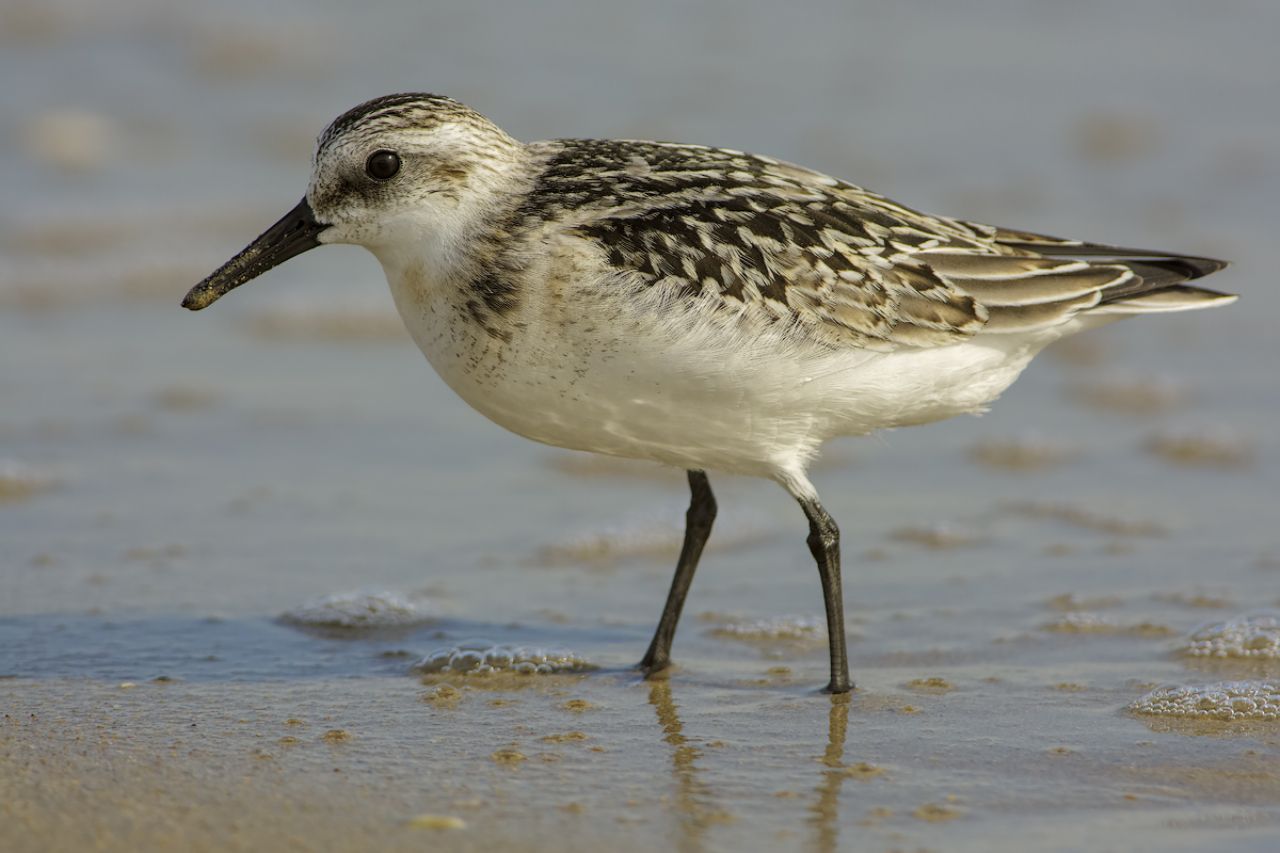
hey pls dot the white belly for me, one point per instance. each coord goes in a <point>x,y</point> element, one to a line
<point>614,377</point>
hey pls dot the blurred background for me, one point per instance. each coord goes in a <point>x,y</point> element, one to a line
<point>170,482</point>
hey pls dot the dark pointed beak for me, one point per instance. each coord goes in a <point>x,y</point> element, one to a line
<point>294,234</point>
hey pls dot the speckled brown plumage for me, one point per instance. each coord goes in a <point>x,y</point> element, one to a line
<point>850,267</point>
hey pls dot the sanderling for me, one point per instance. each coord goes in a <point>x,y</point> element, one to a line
<point>700,307</point>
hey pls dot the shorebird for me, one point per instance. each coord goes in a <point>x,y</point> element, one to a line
<point>699,307</point>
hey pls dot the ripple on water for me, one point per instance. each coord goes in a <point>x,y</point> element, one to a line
<point>1082,622</point>
<point>19,481</point>
<point>1088,518</point>
<point>1227,700</point>
<point>1021,453</point>
<point>1217,446</point>
<point>1141,395</point>
<point>352,323</point>
<point>938,537</point>
<point>660,540</point>
<point>1255,636</point>
<point>480,657</point>
<point>357,611</point>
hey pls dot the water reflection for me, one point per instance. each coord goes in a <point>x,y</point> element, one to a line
<point>825,811</point>
<point>694,802</point>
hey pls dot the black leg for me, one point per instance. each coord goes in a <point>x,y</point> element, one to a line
<point>824,544</point>
<point>702,512</point>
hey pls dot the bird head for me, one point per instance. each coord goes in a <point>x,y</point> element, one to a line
<point>407,173</point>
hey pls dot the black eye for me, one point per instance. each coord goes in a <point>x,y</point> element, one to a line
<point>382,165</point>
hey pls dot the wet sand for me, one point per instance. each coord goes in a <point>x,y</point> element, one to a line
<point>226,539</point>
<point>574,763</point>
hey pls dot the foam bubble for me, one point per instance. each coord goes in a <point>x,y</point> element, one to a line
<point>1255,635</point>
<point>786,628</point>
<point>1228,700</point>
<point>1080,622</point>
<point>1069,601</point>
<point>352,611</point>
<point>479,657</point>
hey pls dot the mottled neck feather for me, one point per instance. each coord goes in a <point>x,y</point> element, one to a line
<point>500,243</point>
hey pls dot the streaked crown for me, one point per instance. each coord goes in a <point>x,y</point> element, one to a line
<point>421,111</point>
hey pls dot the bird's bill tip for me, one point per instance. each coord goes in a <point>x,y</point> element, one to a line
<point>295,233</point>
<point>200,296</point>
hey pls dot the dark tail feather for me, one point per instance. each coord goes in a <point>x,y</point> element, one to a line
<point>1160,279</point>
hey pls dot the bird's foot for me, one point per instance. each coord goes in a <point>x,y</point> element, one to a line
<point>838,685</point>
<point>654,668</point>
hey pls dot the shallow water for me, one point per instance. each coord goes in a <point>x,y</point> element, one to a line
<point>172,484</point>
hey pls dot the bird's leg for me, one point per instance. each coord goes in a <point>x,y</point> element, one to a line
<point>824,544</point>
<point>702,512</point>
